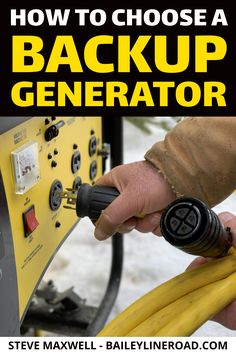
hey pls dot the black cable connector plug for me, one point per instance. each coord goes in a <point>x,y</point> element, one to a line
<point>187,223</point>
<point>191,226</point>
<point>91,200</point>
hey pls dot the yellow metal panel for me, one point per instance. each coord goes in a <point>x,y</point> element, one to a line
<point>34,252</point>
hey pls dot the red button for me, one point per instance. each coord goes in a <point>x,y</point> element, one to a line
<point>30,221</point>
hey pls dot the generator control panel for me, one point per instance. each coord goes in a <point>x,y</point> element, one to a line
<point>39,157</point>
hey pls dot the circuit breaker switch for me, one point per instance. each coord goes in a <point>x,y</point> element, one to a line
<point>53,131</point>
<point>30,221</point>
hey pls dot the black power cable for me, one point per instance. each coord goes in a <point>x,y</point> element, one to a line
<point>113,135</point>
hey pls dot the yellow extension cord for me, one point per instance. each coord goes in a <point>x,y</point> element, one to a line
<point>181,305</point>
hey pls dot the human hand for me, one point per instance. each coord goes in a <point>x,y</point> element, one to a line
<point>143,191</point>
<point>226,317</point>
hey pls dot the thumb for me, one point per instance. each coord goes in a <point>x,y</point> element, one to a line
<point>120,210</point>
<point>225,217</point>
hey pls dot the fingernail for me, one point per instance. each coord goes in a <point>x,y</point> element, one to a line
<point>100,235</point>
<point>155,219</point>
<point>104,227</point>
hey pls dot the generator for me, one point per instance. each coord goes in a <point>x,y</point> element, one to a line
<point>39,158</point>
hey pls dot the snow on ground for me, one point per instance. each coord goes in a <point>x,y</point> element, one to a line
<point>149,260</point>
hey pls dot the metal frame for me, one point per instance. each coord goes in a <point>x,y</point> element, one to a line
<point>9,308</point>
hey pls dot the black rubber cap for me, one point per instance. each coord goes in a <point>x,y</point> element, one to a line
<point>191,226</point>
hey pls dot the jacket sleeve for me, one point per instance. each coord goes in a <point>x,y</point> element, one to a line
<point>198,158</point>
